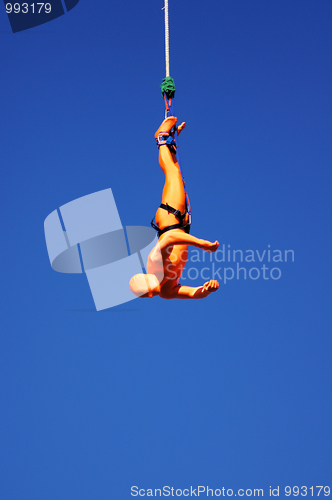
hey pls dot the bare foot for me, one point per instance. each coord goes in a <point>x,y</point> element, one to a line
<point>166,126</point>
<point>181,127</point>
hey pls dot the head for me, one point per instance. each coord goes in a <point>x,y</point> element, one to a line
<point>145,285</point>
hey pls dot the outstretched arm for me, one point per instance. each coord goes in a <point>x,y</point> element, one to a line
<point>182,238</point>
<point>190,292</point>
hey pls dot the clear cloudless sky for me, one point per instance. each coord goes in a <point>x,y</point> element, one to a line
<point>231,391</point>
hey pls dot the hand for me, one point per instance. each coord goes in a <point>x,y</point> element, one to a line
<point>211,247</point>
<point>211,286</point>
<point>206,289</point>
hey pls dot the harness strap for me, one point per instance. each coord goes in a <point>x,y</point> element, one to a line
<point>178,215</point>
<point>165,138</point>
<point>174,211</point>
<point>166,103</point>
<point>185,227</point>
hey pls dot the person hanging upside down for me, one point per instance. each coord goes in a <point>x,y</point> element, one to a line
<point>168,258</point>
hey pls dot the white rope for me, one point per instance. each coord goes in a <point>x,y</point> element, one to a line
<point>166,38</point>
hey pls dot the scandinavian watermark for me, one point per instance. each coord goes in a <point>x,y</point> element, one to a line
<point>227,264</point>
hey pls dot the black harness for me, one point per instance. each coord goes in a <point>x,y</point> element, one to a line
<point>181,217</point>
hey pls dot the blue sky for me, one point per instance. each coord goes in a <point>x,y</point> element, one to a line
<point>232,391</point>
